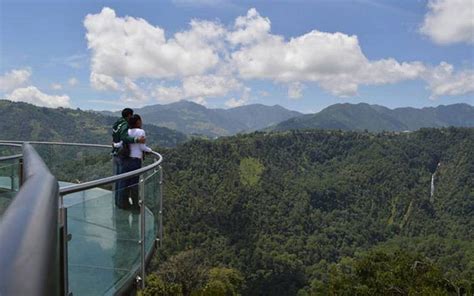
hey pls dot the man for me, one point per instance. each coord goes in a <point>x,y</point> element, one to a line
<point>120,133</point>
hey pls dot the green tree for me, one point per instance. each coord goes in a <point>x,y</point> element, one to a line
<point>250,171</point>
<point>222,281</point>
<point>378,273</point>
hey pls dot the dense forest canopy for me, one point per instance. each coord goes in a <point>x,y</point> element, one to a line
<point>308,212</point>
<point>319,212</point>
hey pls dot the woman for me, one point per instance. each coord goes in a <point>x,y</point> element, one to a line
<point>134,162</point>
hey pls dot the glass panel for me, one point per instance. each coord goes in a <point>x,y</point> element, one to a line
<point>76,164</point>
<point>103,253</point>
<point>9,150</point>
<point>9,182</point>
<point>152,193</point>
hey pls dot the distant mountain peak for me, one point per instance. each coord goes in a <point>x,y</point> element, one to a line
<point>363,116</point>
<point>192,118</point>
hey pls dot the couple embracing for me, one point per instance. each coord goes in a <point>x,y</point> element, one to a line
<point>128,151</point>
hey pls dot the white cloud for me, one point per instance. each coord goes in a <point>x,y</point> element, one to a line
<point>34,96</point>
<point>295,90</point>
<point>133,93</point>
<point>209,60</point>
<point>167,95</point>
<point>14,79</point>
<point>56,86</point>
<point>199,100</point>
<point>209,86</point>
<point>449,21</point>
<point>443,81</point>
<point>202,35</point>
<point>244,99</point>
<point>103,82</point>
<point>107,102</point>
<point>250,28</point>
<point>333,60</point>
<point>73,81</point>
<point>131,47</point>
<point>197,88</point>
<point>233,102</point>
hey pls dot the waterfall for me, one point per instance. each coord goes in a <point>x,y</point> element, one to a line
<point>432,188</point>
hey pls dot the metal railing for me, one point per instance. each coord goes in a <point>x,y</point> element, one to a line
<point>29,233</point>
<point>150,202</point>
<point>8,163</point>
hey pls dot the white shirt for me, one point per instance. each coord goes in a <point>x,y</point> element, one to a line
<point>136,149</point>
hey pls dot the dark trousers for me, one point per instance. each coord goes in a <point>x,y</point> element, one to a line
<point>129,187</point>
<point>118,162</point>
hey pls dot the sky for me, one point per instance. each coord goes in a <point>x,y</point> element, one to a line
<point>302,55</point>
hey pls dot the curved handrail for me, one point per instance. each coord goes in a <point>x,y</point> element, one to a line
<point>94,183</point>
<point>10,143</point>
<point>13,143</point>
<point>60,192</point>
<point>10,157</point>
<point>111,179</point>
<point>29,233</point>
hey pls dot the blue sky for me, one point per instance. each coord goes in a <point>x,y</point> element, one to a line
<point>303,55</point>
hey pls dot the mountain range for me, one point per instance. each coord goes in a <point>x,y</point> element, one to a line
<point>191,118</point>
<point>375,118</point>
<point>171,124</point>
<point>22,121</point>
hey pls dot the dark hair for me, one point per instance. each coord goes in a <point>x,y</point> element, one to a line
<point>132,122</point>
<point>126,112</point>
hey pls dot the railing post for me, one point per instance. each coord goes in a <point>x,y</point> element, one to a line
<point>64,248</point>
<point>12,179</point>
<point>141,190</point>
<point>160,212</point>
<point>114,172</point>
<point>21,173</point>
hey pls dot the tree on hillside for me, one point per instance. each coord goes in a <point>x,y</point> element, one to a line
<point>399,273</point>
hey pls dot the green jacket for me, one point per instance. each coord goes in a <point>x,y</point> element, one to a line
<point>120,133</point>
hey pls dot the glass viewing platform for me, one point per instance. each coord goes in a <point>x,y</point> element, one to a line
<point>60,230</point>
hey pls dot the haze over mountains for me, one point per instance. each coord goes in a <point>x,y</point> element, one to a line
<point>375,118</point>
<point>26,122</point>
<point>191,118</point>
<point>168,125</point>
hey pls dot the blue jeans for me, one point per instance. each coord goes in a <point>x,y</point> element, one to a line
<point>129,187</point>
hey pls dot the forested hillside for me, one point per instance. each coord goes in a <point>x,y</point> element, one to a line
<point>375,118</point>
<point>22,121</point>
<point>319,213</point>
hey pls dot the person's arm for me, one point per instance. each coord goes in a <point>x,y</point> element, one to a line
<point>128,139</point>
<point>124,135</point>
<point>144,147</point>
